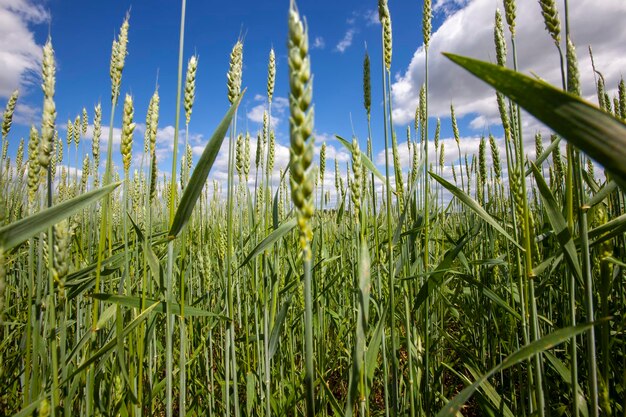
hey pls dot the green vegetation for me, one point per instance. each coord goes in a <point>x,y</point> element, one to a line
<point>492,294</point>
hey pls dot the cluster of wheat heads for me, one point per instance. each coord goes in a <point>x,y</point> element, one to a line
<point>499,291</point>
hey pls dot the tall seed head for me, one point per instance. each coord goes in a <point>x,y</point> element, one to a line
<point>77,128</point>
<point>152,121</point>
<point>246,157</point>
<point>367,85</point>
<point>427,22</point>
<point>509,12</point>
<point>49,108</point>
<point>356,184</point>
<point>190,86</point>
<point>118,57</point>
<point>266,127</point>
<point>573,76</point>
<point>33,164</point>
<point>19,158</point>
<point>301,126</point>
<point>128,128</point>
<point>153,177</point>
<point>322,161</point>
<point>7,117</point>
<point>97,132</point>
<point>271,76</point>
<point>239,156</point>
<point>70,133</point>
<point>387,42</point>
<point>498,35</point>
<point>189,158</point>
<point>437,133</point>
<point>84,122</point>
<point>622,98</point>
<point>235,72</point>
<point>551,19</point>
<point>442,155</point>
<point>495,156</point>
<point>85,174</point>
<point>538,145</point>
<point>455,127</point>
<point>272,152</point>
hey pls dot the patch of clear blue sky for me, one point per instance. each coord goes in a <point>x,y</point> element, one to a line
<point>82,32</point>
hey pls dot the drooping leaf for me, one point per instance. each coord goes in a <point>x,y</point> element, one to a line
<point>201,172</point>
<point>270,239</point>
<point>558,223</point>
<point>475,207</point>
<point>547,342</point>
<point>135,302</point>
<point>366,161</point>
<point>20,231</point>
<point>597,133</point>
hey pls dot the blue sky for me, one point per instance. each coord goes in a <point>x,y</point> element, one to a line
<point>82,32</point>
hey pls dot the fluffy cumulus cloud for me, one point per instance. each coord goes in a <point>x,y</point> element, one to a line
<point>468,30</point>
<point>279,104</point>
<point>20,56</point>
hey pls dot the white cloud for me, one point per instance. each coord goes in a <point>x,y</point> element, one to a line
<point>448,6</point>
<point>27,115</point>
<point>279,104</point>
<point>469,31</point>
<point>346,42</point>
<point>20,56</point>
<point>371,17</point>
<point>319,43</point>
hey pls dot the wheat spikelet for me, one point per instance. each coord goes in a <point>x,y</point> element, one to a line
<point>118,57</point>
<point>49,108</point>
<point>385,20</point>
<point>498,35</point>
<point>551,19</point>
<point>356,185</point>
<point>235,72</point>
<point>190,86</point>
<point>7,117</point>
<point>509,12</point>
<point>128,128</point>
<point>367,85</point>
<point>300,127</point>
<point>427,22</point>
<point>77,128</point>
<point>271,76</point>
<point>573,76</point>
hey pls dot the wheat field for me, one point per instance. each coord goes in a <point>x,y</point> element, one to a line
<point>499,291</point>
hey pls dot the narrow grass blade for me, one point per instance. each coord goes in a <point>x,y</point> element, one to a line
<point>490,392</point>
<point>277,327</point>
<point>272,238</point>
<point>366,161</point>
<point>111,343</point>
<point>153,260</point>
<point>558,223</point>
<point>602,194</point>
<point>475,207</point>
<point>436,278</point>
<point>547,342</point>
<point>201,172</point>
<point>20,231</point>
<point>597,133</point>
<point>135,302</point>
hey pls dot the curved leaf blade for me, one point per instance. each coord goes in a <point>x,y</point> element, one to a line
<point>270,240</point>
<point>476,208</point>
<point>597,133</point>
<point>547,342</point>
<point>201,172</point>
<point>20,231</point>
